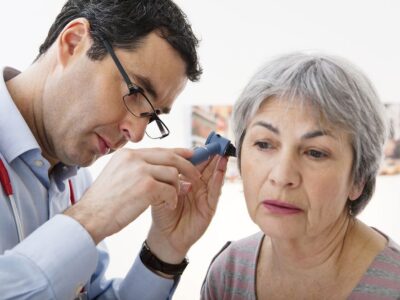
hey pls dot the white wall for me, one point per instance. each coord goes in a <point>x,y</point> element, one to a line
<point>237,37</point>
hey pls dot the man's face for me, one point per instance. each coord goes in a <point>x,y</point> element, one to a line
<point>84,116</point>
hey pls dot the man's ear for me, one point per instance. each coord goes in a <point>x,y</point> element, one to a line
<point>74,40</point>
<point>356,191</point>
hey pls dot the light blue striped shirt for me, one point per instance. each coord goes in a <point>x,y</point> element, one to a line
<point>58,256</point>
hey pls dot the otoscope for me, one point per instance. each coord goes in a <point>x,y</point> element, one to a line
<point>215,144</point>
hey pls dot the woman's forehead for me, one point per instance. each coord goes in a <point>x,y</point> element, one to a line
<point>296,112</point>
<point>291,108</point>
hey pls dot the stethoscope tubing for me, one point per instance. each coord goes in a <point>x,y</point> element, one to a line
<point>6,184</point>
<point>18,221</point>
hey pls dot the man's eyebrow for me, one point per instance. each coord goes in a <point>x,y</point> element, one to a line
<point>146,84</point>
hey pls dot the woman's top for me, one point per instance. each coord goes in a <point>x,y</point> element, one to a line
<point>232,273</point>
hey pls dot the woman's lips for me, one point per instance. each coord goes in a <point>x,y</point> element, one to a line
<point>281,207</point>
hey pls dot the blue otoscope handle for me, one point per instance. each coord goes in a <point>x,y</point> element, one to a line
<point>215,144</point>
<point>204,152</point>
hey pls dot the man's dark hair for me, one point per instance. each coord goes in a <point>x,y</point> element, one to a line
<point>124,23</point>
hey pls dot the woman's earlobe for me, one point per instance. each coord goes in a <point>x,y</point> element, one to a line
<point>356,191</point>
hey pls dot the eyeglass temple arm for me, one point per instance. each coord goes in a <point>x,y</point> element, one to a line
<point>117,62</point>
<point>160,124</point>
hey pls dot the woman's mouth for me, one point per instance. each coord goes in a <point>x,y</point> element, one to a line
<point>281,207</point>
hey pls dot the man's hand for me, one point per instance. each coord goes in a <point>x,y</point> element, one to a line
<point>130,182</point>
<point>174,231</point>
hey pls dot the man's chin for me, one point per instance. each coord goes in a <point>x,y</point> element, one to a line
<point>87,161</point>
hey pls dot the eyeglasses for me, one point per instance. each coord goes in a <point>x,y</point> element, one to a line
<point>137,103</point>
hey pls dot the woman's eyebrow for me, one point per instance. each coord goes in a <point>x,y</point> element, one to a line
<point>317,133</point>
<point>306,136</point>
<point>267,126</point>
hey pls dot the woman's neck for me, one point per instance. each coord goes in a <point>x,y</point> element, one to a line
<point>329,264</point>
<point>330,248</point>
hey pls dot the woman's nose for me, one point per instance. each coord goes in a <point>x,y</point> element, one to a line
<point>284,172</point>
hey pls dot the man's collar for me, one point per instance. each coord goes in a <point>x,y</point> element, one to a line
<point>16,137</point>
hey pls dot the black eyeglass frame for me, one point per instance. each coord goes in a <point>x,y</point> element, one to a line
<point>134,89</point>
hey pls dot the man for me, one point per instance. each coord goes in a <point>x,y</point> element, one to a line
<point>105,73</point>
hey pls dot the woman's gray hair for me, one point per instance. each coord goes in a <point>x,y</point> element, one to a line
<point>335,88</point>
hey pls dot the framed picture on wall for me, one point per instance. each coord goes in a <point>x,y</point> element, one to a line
<point>391,162</point>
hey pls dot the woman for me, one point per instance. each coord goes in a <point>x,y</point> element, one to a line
<point>310,131</point>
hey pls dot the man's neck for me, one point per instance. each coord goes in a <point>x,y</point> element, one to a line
<point>26,90</point>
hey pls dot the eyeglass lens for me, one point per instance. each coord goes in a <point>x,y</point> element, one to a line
<point>138,105</point>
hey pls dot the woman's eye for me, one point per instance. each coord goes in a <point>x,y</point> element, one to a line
<point>263,145</point>
<point>316,154</point>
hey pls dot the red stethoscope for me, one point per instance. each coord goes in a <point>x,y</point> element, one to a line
<point>6,184</point>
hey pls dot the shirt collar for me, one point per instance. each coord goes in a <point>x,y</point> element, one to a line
<point>16,137</point>
<point>17,140</point>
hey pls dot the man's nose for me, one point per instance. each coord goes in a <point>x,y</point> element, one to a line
<point>134,128</point>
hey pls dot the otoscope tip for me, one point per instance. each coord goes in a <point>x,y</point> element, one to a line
<point>230,150</point>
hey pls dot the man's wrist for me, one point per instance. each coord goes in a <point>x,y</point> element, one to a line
<point>162,248</point>
<point>87,222</point>
<point>164,269</point>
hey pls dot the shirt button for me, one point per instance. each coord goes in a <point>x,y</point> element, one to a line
<point>38,163</point>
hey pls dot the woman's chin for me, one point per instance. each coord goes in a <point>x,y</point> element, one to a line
<point>280,230</point>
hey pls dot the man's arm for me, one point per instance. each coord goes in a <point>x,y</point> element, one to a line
<point>130,182</point>
<point>173,232</point>
<point>51,263</point>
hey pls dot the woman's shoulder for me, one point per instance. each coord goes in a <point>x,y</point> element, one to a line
<point>232,270</point>
<point>245,249</point>
<point>390,254</point>
<point>249,243</point>
<point>388,260</point>
<point>382,278</point>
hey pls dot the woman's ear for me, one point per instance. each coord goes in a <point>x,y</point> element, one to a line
<point>74,40</point>
<point>356,191</point>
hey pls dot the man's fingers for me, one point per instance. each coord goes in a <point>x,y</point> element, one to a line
<point>167,196</point>
<point>184,187</point>
<point>218,163</point>
<point>165,174</point>
<point>176,158</point>
<point>216,182</point>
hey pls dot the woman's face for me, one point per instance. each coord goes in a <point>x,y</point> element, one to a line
<point>296,171</point>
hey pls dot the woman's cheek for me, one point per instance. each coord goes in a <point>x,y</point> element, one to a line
<point>250,196</point>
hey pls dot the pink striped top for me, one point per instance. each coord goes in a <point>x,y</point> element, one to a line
<point>231,275</point>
